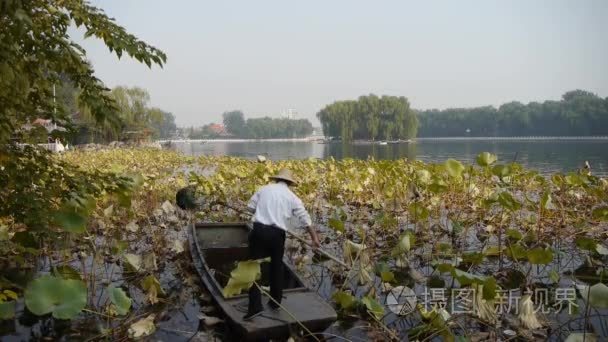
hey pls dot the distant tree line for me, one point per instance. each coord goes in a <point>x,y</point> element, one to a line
<point>370,118</point>
<point>578,113</point>
<point>134,118</point>
<point>266,127</point>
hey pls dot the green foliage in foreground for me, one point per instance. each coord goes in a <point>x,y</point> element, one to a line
<point>65,298</point>
<point>64,208</point>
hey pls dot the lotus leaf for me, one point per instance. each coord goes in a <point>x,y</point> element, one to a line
<point>473,258</point>
<point>554,276</point>
<point>70,220</point>
<point>381,267</point>
<point>582,337</point>
<point>373,307</point>
<point>600,214</point>
<point>596,295</point>
<point>423,176</point>
<point>502,171</point>
<point>585,243</point>
<point>64,298</point>
<point>134,261</point>
<point>466,278</point>
<point>67,272</point>
<point>514,234</point>
<point>119,298</point>
<point>243,277</point>
<point>418,211</point>
<point>540,256</point>
<point>516,252</point>
<point>486,159</point>
<point>545,200</point>
<point>148,261</point>
<point>336,224</point>
<point>454,168</point>
<point>404,244</point>
<point>7,310</point>
<point>507,201</point>
<point>489,288</point>
<point>345,300</point>
<point>152,287</point>
<point>142,328</point>
<point>600,249</point>
<point>387,277</point>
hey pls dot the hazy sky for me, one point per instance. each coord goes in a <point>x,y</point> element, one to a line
<point>264,57</point>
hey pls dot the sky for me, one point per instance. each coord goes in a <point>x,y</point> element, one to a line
<point>265,57</point>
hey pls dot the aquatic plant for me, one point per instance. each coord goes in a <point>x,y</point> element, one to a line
<point>104,219</point>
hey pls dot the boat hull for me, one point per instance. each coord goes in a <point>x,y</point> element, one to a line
<point>217,246</point>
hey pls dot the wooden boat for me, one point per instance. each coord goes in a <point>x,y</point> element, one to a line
<point>215,248</point>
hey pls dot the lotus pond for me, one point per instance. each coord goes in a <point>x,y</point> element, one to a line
<point>93,247</point>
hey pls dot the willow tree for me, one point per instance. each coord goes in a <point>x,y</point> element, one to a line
<point>369,117</point>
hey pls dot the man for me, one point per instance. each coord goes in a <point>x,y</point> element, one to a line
<point>273,205</point>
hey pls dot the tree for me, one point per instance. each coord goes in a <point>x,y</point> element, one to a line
<point>49,199</point>
<point>36,51</point>
<point>266,127</point>
<point>166,127</point>
<point>234,122</point>
<point>369,117</point>
<point>578,113</point>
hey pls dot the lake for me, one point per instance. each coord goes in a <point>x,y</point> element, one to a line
<point>546,156</point>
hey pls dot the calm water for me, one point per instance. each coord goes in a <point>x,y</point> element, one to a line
<point>547,156</point>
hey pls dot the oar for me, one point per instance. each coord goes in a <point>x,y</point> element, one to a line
<point>294,235</point>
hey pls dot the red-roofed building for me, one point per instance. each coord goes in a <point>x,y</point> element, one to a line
<point>218,129</point>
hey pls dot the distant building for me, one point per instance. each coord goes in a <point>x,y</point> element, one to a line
<point>48,124</point>
<point>289,114</point>
<point>218,129</point>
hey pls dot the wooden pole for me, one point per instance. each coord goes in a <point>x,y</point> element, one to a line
<point>318,249</point>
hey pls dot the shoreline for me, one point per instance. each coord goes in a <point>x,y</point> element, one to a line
<point>524,138</point>
<point>321,139</point>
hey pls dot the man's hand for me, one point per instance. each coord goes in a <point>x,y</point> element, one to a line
<point>314,237</point>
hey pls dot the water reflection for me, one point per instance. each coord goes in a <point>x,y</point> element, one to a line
<point>545,156</point>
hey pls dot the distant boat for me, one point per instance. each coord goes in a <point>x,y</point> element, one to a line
<point>382,143</point>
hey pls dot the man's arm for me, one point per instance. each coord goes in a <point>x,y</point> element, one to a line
<point>300,212</point>
<point>253,203</point>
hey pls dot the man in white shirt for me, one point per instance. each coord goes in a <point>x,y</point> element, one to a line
<point>273,206</point>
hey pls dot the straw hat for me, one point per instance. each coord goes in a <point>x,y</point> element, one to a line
<point>285,175</point>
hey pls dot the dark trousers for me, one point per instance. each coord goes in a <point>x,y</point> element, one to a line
<point>267,241</point>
